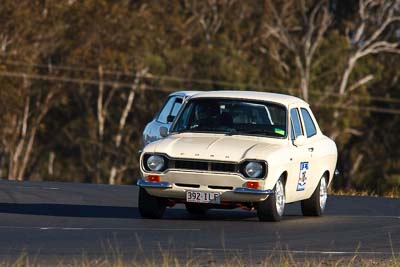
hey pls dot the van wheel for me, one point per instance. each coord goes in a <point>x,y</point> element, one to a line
<point>273,207</point>
<point>315,205</point>
<point>150,206</point>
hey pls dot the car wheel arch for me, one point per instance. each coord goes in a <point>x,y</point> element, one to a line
<point>284,176</point>
<point>273,178</point>
<point>327,176</point>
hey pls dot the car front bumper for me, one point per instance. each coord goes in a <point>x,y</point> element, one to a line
<point>232,187</point>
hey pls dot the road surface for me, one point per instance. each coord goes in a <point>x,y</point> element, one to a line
<point>53,221</point>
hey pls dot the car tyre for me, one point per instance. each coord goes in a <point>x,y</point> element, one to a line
<point>196,209</point>
<point>315,205</point>
<point>273,207</point>
<point>150,206</point>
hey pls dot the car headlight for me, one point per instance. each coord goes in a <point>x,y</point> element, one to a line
<point>254,169</point>
<point>155,163</point>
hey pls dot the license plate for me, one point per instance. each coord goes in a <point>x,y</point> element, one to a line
<point>203,197</point>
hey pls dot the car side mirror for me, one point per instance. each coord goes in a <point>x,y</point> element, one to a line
<point>300,140</point>
<point>163,131</point>
<point>170,118</point>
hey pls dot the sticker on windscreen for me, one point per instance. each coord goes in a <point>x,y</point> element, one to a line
<point>279,131</point>
<point>301,184</point>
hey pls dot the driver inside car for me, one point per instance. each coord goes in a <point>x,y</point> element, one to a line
<point>206,115</point>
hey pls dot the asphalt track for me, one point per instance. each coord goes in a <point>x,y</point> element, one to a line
<point>61,221</point>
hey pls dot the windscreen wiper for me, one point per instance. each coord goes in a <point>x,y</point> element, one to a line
<point>231,131</point>
<point>265,131</point>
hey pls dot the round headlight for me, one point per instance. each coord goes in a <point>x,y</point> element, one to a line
<point>253,169</point>
<point>155,163</point>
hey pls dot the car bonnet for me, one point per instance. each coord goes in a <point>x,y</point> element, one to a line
<point>214,147</point>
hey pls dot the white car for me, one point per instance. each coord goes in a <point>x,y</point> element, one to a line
<point>229,149</point>
<point>165,116</point>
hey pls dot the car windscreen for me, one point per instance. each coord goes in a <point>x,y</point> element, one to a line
<point>233,117</point>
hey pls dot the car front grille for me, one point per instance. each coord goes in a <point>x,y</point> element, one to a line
<point>203,166</point>
<point>191,165</point>
<point>223,167</point>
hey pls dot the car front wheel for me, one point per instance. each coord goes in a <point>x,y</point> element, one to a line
<point>273,207</point>
<point>315,205</point>
<point>151,206</point>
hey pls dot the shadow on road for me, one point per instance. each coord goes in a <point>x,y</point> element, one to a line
<point>96,211</point>
<point>70,210</point>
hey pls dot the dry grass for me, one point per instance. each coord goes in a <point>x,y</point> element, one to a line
<point>394,193</point>
<point>284,259</point>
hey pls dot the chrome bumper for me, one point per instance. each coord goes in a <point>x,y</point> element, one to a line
<point>240,190</point>
<point>244,190</point>
<point>143,183</point>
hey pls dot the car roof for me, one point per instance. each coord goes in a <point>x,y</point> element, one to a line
<point>253,95</point>
<point>185,93</point>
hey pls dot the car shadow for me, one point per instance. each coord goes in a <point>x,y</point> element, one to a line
<point>117,212</point>
<point>69,210</point>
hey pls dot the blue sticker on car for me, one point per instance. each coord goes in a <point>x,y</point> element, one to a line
<point>301,184</point>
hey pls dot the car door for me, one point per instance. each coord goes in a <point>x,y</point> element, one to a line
<point>300,160</point>
<point>312,145</point>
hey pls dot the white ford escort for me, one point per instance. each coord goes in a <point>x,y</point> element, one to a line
<point>229,149</point>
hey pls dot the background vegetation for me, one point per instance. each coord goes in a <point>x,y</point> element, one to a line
<point>80,79</point>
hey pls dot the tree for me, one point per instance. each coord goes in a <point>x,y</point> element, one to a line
<point>24,35</point>
<point>301,35</point>
<point>369,36</point>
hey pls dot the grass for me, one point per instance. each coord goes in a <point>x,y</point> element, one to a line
<point>394,193</point>
<point>168,259</point>
<point>284,262</point>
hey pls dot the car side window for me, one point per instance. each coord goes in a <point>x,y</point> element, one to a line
<point>308,123</point>
<point>296,124</point>
<point>177,106</point>
<point>166,110</point>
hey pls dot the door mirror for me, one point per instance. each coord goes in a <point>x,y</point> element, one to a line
<point>170,118</point>
<point>163,131</point>
<point>300,140</point>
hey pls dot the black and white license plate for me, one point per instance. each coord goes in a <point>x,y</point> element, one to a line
<point>203,197</point>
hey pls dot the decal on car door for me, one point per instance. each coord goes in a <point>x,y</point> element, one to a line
<point>301,184</point>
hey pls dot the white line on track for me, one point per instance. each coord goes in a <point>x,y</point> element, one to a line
<point>363,216</point>
<point>335,252</point>
<point>323,252</point>
<point>50,188</point>
<point>44,228</point>
<point>61,228</point>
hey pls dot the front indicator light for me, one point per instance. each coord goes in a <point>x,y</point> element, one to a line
<point>154,178</point>
<point>253,185</point>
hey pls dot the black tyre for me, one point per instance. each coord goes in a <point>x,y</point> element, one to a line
<point>315,205</point>
<point>273,207</point>
<point>151,206</point>
<point>196,209</point>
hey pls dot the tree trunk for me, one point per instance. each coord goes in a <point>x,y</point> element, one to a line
<point>346,75</point>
